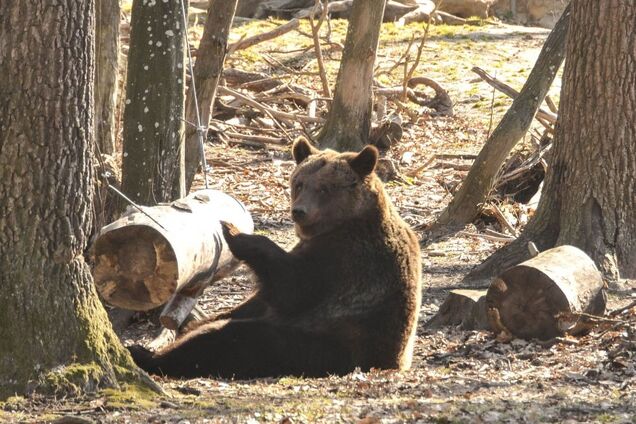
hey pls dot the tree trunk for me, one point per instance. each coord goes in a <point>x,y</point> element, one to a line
<point>154,103</point>
<point>106,72</point>
<point>55,334</point>
<point>473,192</point>
<point>208,69</point>
<point>588,196</point>
<point>349,120</point>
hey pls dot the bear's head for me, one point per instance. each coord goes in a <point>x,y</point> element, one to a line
<point>330,188</point>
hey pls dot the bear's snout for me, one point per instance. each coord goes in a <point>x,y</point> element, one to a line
<point>299,214</point>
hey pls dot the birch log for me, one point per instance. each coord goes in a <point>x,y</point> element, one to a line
<point>547,296</point>
<point>141,262</point>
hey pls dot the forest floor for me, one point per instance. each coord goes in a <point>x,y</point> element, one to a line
<point>457,376</point>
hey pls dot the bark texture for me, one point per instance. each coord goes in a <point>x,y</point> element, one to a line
<point>154,102</point>
<point>50,317</point>
<point>513,126</point>
<point>106,72</point>
<point>588,197</point>
<point>349,120</point>
<point>207,71</point>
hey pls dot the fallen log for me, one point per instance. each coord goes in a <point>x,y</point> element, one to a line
<point>547,296</point>
<point>143,259</point>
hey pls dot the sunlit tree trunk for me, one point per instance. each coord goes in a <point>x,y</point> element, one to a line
<point>589,199</point>
<point>349,119</point>
<point>106,71</point>
<point>153,115</point>
<point>51,321</point>
<point>207,71</point>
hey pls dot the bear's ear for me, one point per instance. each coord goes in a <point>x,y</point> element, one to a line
<point>364,162</point>
<point>301,149</point>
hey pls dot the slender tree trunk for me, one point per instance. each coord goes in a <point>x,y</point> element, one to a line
<point>349,119</point>
<point>55,334</point>
<point>154,102</point>
<point>588,196</point>
<point>472,194</point>
<point>106,72</point>
<point>207,71</point>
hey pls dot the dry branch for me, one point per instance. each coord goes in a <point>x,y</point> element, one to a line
<point>269,35</point>
<point>275,114</point>
<point>511,92</point>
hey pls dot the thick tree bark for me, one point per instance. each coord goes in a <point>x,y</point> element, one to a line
<point>106,72</point>
<point>207,71</point>
<point>473,192</point>
<point>154,103</point>
<point>54,332</point>
<point>349,120</point>
<point>588,196</point>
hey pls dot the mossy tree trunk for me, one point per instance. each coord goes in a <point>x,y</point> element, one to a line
<point>472,194</point>
<point>50,316</point>
<point>106,72</point>
<point>153,126</point>
<point>588,199</point>
<point>349,119</point>
<point>207,71</point>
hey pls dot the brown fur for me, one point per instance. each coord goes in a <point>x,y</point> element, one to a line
<point>347,295</point>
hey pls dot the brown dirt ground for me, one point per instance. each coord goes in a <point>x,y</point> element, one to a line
<point>457,376</point>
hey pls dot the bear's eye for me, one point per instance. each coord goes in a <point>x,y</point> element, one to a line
<point>298,186</point>
<point>323,189</point>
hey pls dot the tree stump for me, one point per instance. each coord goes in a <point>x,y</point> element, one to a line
<point>466,308</point>
<point>545,296</point>
<point>141,262</point>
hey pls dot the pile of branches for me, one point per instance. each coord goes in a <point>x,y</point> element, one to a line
<point>258,109</point>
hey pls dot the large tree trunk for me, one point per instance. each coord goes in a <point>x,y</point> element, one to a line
<point>106,71</point>
<point>473,192</point>
<point>154,103</point>
<point>208,69</point>
<point>349,119</point>
<point>54,332</point>
<point>588,197</point>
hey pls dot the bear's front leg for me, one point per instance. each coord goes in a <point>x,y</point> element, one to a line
<point>266,258</point>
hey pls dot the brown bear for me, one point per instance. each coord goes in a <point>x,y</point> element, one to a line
<point>347,295</point>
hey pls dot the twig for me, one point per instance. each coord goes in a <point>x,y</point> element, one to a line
<point>420,47</point>
<point>292,117</point>
<point>257,138</point>
<point>502,219</point>
<point>500,239</point>
<point>259,38</point>
<point>551,104</point>
<point>315,31</point>
<point>623,309</point>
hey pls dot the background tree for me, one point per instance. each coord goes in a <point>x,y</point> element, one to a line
<point>154,102</point>
<point>50,316</point>
<point>349,120</point>
<point>588,196</point>
<point>207,71</point>
<point>476,187</point>
<point>106,72</point>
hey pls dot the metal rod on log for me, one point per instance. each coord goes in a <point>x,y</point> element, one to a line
<point>544,297</point>
<point>141,265</point>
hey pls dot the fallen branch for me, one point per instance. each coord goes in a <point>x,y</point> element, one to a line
<point>259,38</point>
<point>290,117</point>
<point>511,92</point>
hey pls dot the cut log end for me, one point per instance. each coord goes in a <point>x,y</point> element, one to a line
<point>534,299</point>
<point>135,270</point>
